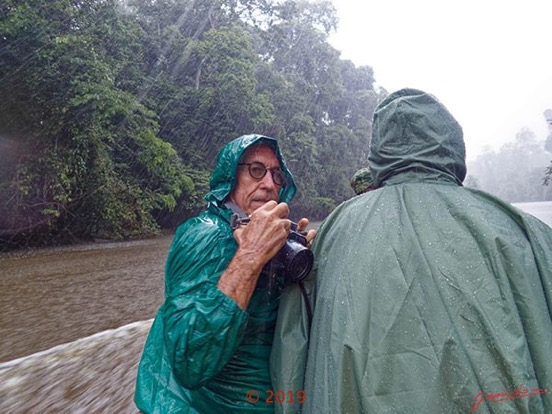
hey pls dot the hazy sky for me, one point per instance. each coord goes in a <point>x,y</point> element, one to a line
<point>488,61</point>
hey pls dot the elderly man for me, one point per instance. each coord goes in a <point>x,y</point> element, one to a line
<point>209,345</point>
<point>428,297</point>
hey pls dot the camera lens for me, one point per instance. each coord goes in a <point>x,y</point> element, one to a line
<point>297,260</point>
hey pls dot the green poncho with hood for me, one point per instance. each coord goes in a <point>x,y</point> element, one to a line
<point>428,297</point>
<point>203,352</point>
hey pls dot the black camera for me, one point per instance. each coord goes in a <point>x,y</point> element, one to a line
<point>294,260</point>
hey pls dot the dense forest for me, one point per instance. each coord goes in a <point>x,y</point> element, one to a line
<point>112,112</point>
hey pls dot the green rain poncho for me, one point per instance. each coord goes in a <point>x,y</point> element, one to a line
<point>428,297</point>
<point>203,352</point>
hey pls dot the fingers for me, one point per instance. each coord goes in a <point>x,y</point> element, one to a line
<point>311,234</point>
<point>267,230</point>
<point>302,227</point>
<point>287,225</point>
<point>302,224</point>
<point>282,210</point>
<point>272,211</point>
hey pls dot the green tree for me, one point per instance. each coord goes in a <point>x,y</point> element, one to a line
<point>333,100</point>
<point>103,99</point>
<point>94,166</point>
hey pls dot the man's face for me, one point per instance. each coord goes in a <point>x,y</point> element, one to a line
<point>250,193</point>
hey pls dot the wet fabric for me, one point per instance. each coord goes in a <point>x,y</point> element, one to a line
<point>203,353</point>
<point>361,181</point>
<point>428,297</point>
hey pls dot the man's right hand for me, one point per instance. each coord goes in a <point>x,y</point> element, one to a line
<point>258,241</point>
<point>265,234</point>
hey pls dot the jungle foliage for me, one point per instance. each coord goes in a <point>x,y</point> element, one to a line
<point>112,112</point>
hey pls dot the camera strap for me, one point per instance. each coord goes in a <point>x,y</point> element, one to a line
<point>235,208</point>
<point>239,217</point>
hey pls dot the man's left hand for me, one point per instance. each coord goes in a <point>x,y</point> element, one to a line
<point>302,227</point>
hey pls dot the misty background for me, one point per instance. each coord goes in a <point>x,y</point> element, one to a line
<point>515,172</point>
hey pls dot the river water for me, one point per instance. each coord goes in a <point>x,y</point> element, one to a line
<point>58,295</point>
<point>50,299</point>
<point>53,296</point>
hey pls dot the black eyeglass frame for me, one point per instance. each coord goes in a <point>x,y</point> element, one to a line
<point>278,175</point>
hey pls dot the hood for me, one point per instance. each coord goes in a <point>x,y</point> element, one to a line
<point>223,178</point>
<point>415,138</point>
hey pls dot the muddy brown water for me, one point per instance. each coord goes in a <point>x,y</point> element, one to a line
<point>58,295</point>
<point>73,325</point>
<point>75,309</point>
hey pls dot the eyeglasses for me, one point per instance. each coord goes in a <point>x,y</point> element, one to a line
<point>257,170</point>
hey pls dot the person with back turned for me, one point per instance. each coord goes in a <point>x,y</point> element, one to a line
<point>428,297</point>
<point>208,348</point>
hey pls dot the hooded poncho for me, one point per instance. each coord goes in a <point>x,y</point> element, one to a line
<point>428,297</point>
<point>204,353</point>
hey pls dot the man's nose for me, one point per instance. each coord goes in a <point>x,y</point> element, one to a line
<point>268,182</point>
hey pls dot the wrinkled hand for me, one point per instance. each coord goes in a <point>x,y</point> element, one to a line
<point>266,232</point>
<point>258,242</point>
<point>311,234</point>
